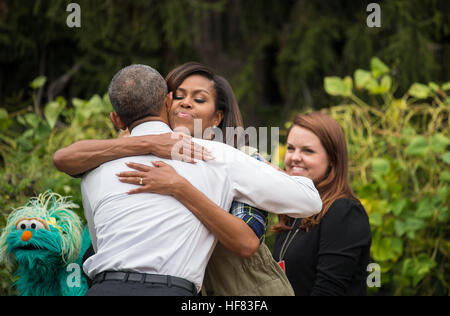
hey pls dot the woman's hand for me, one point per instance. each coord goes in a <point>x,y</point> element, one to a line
<point>270,164</point>
<point>161,179</point>
<point>178,146</point>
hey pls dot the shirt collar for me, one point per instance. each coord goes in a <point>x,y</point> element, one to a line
<point>151,128</point>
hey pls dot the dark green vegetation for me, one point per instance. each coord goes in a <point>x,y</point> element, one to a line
<point>281,57</point>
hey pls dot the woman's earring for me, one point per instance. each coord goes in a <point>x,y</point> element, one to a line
<point>210,135</point>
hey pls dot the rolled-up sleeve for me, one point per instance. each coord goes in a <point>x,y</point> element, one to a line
<point>262,186</point>
<point>256,219</point>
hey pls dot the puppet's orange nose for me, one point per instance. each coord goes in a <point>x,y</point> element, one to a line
<point>26,235</point>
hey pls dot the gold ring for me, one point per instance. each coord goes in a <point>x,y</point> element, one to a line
<point>140,181</point>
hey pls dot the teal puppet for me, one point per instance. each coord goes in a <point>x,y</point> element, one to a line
<point>43,242</point>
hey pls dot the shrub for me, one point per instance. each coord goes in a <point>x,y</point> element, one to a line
<point>27,144</point>
<point>399,168</point>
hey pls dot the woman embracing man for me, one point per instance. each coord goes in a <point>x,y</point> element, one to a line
<point>326,254</point>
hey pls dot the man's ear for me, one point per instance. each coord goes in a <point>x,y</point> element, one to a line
<point>115,119</point>
<point>168,100</point>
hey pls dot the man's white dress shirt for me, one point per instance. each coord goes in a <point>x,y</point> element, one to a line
<point>156,234</point>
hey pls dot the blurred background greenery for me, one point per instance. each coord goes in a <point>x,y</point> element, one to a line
<point>388,87</point>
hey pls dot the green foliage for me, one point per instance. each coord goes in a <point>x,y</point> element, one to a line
<point>399,162</point>
<point>27,145</point>
<point>399,168</point>
<point>275,53</point>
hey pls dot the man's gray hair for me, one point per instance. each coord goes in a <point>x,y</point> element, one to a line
<point>137,91</point>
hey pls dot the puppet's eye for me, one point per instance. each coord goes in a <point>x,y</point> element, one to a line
<point>35,224</point>
<point>30,224</point>
<point>23,224</point>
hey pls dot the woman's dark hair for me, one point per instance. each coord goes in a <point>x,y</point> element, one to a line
<point>225,99</point>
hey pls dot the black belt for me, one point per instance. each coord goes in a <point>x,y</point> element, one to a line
<point>167,280</point>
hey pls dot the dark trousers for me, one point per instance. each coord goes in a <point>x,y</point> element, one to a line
<point>128,288</point>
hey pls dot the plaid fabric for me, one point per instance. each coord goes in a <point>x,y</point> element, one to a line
<point>253,217</point>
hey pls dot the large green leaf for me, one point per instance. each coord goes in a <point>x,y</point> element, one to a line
<point>424,209</point>
<point>378,68</point>
<point>400,228</point>
<point>337,87</point>
<point>433,86</point>
<point>445,176</point>
<point>380,166</point>
<point>439,143</point>
<point>38,82</point>
<point>387,248</point>
<point>443,214</point>
<point>419,91</point>
<point>53,109</point>
<point>3,114</point>
<point>398,206</point>
<point>42,132</point>
<point>446,157</point>
<point>5,120</point>
<point>348,83</point>
<point>362,77</point>
<point>95,104</point>
<point>386,83</point>
<point>412,225</point>
<point>418,268</point>
<point>446,86</point>
<point>32,120</point>
<point>418,146</point>
<point>376,219</point>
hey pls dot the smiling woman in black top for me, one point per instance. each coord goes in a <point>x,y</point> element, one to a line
<point>327,254</point>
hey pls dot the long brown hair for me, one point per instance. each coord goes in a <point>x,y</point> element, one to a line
<point>225,99</point>
<point>334,184</point>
